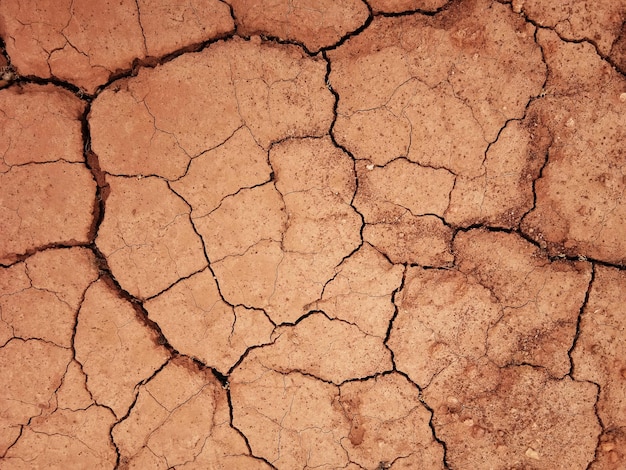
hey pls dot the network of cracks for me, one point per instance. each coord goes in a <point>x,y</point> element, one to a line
<point>336,234</point>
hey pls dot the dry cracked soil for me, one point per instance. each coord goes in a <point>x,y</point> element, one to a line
<point>313,234</point>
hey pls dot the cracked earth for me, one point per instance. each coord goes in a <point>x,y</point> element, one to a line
<point>334,234</point>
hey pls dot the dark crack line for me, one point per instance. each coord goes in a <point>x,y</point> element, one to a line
<point>19,435</point>
<point>396,370</point>
<point>356,32</point>
<point>243,436</point>
<point>581,312</point>
<point>331,134</point>
<point>266,37</point>
<point>416,11</point>
<point>143,34</point>
<point>549,146</point>
<point>583,40</point>
<point>602,426</point>
<point>394,294</point>
<point>102,192</point>
<point>206,255</point>
<point>431,424</point>
<point>75,90</point>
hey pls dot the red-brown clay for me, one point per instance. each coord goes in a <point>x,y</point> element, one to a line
<point>146,262</point>
<point>289,235</point>
<point>332,350</point>
<point>315,24</point>
<point>598,22</point>
<point>508,416</point>
<point>404,220</point>
<point>185,426</point>
<point>581,215</point>
<point>360,293</point>
<point>33,115</point>
<point>599,358</point>
<point>197,322</point>
<point>86,44</point>
<point>67,438</point>
<point>107,328</point>
<point>538,301</point>
<point>426,72</point>
<point>400,6</point>
<point>388,420</point>
<point>44,204</point>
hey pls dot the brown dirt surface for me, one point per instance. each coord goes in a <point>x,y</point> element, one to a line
<point>296,234</point>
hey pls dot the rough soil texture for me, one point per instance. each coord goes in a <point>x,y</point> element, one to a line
<point>355,234</point>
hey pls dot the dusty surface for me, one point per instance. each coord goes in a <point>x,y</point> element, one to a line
<point>296,234</point>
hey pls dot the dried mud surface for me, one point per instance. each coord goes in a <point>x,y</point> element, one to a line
<point>353,234</point>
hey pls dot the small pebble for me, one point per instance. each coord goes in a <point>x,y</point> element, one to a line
<point>608,446</point>
<point>532,454</point>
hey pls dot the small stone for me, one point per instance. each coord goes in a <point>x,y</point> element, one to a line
<point>532,453</point>
<point>608,446</point>
<point>622,97</point>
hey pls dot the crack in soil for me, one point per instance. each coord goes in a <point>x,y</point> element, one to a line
<point>300,343</point>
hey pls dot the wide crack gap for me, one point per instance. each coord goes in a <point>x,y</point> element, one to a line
<point>106,275</point>
<point>98,219</point>
<point>416,11</point>
<point>152,62</point>
<point>75,90</point>
<point>104,272</point>
<point>8,74</point>
<point>93,165</point>
<point>102,192</point>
